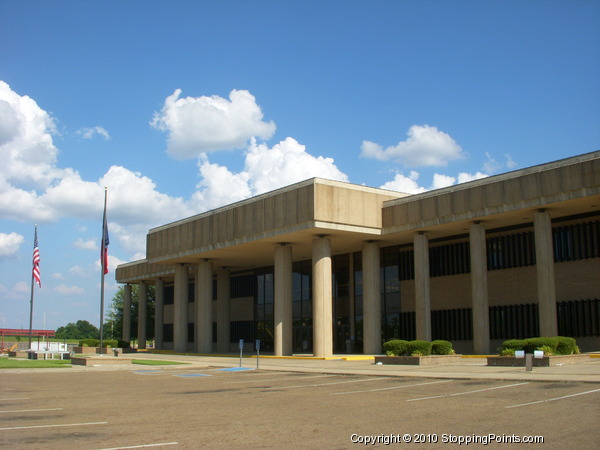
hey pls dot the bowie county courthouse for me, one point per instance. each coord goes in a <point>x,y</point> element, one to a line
<point>323,267</point>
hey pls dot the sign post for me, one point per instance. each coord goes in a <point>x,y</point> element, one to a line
<point>241,350</point>
<point>257,352</point>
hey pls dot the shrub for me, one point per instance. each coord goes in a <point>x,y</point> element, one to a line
<point>533,344</point>
<point>123,344</point>
<point>419,348</point>
<point>440,347</point>
<point>550,345</point>
<point>507,352</point>
<point>396,347</point>
<point>566,346</point>
<point>89,342</point>
<point>548,351</point>
<point>512,344</point>
<point>96,343</point>
<point>109,343</point>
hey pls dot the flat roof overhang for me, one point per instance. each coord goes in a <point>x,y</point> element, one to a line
<point>258,251</point>
<point>569,187</point>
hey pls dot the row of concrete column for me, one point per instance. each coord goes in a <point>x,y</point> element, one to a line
<point>322,296</point>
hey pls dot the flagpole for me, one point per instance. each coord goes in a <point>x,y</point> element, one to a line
<point>103,263</point>
<point>31,299</point>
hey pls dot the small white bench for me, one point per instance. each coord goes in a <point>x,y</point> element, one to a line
<point>49,355</point>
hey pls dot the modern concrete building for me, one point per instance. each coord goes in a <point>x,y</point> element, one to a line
<point>324,267</point>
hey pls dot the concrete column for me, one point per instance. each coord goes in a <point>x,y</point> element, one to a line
<point>422,294</point>
<point>371,299</point>
<point>544,261</point>
<point>203,327</point>
<point>351,288</point>
<point>322,299</point>
<point>479,290</point>
<point>142,293</point>
<point>223,310</point>
<point>159,321</point>
<point>283,300</point>
<point>127,313</point>
<point>180,304</point>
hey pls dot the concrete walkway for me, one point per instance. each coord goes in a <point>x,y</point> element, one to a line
<point>466,368</point>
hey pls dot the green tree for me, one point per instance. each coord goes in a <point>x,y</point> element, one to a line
<point>113,326</point>
<point>80,330</point>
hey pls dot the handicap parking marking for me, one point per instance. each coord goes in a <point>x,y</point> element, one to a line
<point>235,369</point>
<point>467,392</point>
<point>554,399</point>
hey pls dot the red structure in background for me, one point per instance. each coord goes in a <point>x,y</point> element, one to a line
<point>20,332</point>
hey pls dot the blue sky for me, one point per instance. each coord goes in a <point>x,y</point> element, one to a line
<point>182,106</point>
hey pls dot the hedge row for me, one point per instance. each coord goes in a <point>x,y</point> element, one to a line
<point>559,345</point>
<point>398,347</point>
<point>112,343</point>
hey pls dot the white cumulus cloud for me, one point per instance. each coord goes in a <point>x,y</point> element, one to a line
<point>10,244</point>
<point>463,177</point>
<point>27,152</point>
<point>90,133</point>
<point>402,183</point>
<point>197,125</point>
<point>442,181</point>
<point>426,146</point>
<point>63,289</point>
<point>265,169</point>
<point>90,244</point>
<point>410,185</point>
<point>285,163</point>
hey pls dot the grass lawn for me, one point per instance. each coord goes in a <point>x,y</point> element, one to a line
<point>155,362</point>
<point>21,363</point>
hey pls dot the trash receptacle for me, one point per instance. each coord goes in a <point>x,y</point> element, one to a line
<point>349,346</point>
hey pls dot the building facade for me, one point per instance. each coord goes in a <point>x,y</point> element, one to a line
<point>323,267</point>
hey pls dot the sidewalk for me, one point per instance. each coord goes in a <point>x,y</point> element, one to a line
<point>467,368</point>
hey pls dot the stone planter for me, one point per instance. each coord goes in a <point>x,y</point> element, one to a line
<point>85,350</point>
<point>93,350</point>
<point>99,361</point>
<point>418,360</point>
<point>546,361</point>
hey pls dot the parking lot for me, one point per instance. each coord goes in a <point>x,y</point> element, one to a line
<point>193,407</point>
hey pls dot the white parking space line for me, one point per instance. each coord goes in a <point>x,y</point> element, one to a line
<point>30,410</point>
<point>273,379</point>
<point>11,399</point>
<point>466,393</point>
<point>554,399</point>
<point>323,384</point>
<point>162,444</point>
<point>53,426</point>
<point>392,387</point>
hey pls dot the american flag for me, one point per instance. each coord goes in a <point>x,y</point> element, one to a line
<point>36,260</point>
